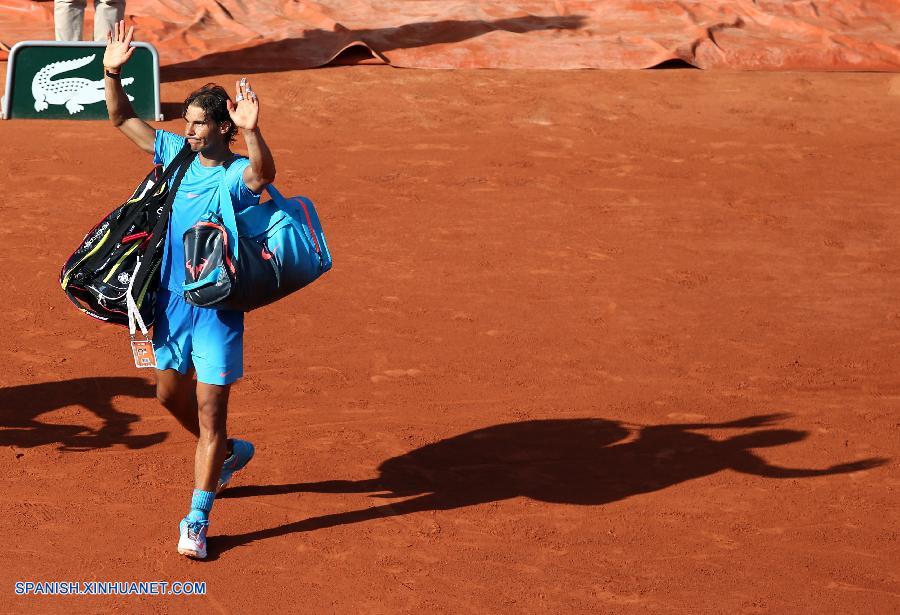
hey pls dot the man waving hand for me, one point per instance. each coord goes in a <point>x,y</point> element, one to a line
<point>190,340</point>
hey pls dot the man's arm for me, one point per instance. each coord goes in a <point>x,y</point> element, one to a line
<point>261,170</point>
<point>245,115</point>
<point>751,464</point>
<point>121,113</point>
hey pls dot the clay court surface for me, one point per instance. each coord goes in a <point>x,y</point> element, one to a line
<point>594,342</point>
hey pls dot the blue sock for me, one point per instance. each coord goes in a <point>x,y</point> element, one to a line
<point>201,505</point>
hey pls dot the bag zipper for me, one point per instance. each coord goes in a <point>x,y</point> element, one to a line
<point>312,230</point>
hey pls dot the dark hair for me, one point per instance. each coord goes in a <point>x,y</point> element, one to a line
<point>212,99</point>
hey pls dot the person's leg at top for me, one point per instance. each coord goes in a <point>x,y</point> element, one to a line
<point>68,19</point>
<point>107,13</point>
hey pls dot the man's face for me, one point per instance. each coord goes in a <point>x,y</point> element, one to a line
<point>201,132</point>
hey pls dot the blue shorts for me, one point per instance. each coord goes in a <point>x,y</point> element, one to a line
<point>210,341</point>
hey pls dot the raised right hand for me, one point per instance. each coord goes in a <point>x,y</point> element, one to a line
<point>118,47</point>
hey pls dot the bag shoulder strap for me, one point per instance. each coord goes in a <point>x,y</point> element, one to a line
<point>226,209</point>
<point>183,154</point>
<point>182,161</point>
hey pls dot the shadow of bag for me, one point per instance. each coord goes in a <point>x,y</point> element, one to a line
<point>250,259</point>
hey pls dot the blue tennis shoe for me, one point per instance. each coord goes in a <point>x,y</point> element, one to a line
<point>241,454</point>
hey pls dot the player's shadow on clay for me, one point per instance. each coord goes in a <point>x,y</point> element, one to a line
<point>574,461</point>
<point>21,406</point>
<point>320,47</point>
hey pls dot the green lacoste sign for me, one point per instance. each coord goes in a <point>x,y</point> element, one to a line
<point>64,80</point>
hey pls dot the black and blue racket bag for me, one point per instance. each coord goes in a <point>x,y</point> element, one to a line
<point>124,251</point>
<point>245,260</point>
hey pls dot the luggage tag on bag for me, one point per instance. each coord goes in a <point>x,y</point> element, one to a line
<point>141,346</point>
<point>142,349</point>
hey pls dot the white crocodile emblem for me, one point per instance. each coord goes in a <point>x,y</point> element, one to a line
<point>73,92</point>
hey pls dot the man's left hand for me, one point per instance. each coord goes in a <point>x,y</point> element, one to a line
<point>244,111</point>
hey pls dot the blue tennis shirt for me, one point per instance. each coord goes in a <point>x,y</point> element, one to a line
<point>197,195</point>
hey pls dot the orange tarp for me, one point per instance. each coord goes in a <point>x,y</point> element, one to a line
<point>279,34</point>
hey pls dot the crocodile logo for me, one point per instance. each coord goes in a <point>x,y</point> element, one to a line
<point>73,92</point>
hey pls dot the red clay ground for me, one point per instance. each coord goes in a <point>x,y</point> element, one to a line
<point>579,325</point>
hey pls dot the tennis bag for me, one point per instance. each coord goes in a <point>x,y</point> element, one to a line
<point>247,260</point>
<point>127,244</point>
